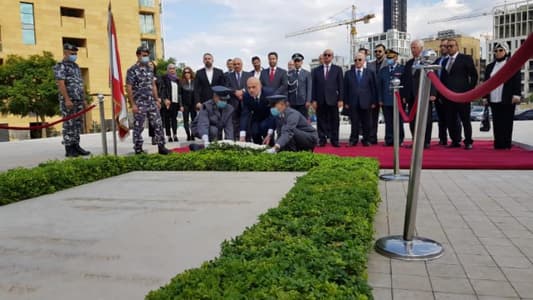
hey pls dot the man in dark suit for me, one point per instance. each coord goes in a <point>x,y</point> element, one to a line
<point>229,65</point>
<point>274,78</point>
<point>460,76</point>
<point>410,80</point>
<point>300,86</point>
<point>376,65</point>
<point>257,123</point>
<point>236,81</point>
<point>206,78</point>
<point>361,94</point>
<point>327,95</point>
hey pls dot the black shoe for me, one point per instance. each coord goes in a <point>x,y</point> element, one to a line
<point>81,151</point>
<point>427,146</point>
<point>454,145</point>
<point>388,144</point>
<point>175,138</point>
<point>70,151</point>
<point>190,138</point>
<point>163,150</point>
<point>335,145</point>
<point>322,143</point>
<point>468,147</point>
<point>170,139</point>
<point>139,151</point>
<point>352,144</point>
<point>443,143</point>
<point>366,144</point>
<point>153,141</point>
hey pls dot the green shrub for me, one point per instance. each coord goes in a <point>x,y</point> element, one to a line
<point>312,246</point>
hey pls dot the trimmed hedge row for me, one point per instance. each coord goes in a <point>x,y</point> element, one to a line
<point>313,246</point>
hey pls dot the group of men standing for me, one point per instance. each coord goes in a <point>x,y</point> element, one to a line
<point>251,102</point>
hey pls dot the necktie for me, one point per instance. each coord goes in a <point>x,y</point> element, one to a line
<point>271,77</point>
<point>359,75</point>
<point>297,72</point>
<point>391,69</point>
<point>239,79</point>
<point>327,72</point>
<point>450,64</point>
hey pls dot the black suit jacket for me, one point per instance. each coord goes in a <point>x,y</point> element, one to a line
<point>410,81</point>
<point>256,112</point>
<point>512,87</point>
<point>329,91</point>
<point>280,83</point>
<point>165,89</point>
<point>360,94</point>
<point>232,83</point>
<point>202,88</point>
<point>463,75</point>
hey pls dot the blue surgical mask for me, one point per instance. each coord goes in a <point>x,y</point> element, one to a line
<point>390,61</point>
<point>145,59</point>
<point>222,104</point>
<point>274,111</point>
<point>72,57</point>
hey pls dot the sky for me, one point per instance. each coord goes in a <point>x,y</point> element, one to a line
<point>245,28</point>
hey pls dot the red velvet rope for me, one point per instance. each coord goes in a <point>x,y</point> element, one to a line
<point>412,113</point>
<point>513,65</point>
<point>50,124</point>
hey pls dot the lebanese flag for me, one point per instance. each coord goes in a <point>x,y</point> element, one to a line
<point>117,85</point>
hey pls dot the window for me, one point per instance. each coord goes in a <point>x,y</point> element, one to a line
<point>146,3</point>
<point>147,23</point>
<point>151,45</point>
<point>72,12</point>
<point>28,23</point>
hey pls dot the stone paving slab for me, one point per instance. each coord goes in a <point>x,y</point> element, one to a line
<point>484,219</point>
<point>117,239</point>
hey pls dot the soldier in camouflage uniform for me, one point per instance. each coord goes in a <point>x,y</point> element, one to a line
<point>142,93</point>
<point>71,99</point>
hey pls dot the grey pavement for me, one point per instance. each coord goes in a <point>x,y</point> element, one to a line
<point>122,237</point>
<point>29,153</point>
<point>484,220</point>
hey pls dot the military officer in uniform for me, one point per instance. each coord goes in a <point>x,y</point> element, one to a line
<point>215,118</point>
<point>71,99</point>
<point>142,93</point>
<point>300,86</point>
<point>293,131</point>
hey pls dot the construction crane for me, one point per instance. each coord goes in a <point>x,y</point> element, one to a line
<point>469,16</point>
<point>348,22</point>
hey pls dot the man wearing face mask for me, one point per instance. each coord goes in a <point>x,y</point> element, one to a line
<point>386,95</point>
<point>144,99</point>
<point>71,99</point>
<point>293,130</point>
<point>215,118</point>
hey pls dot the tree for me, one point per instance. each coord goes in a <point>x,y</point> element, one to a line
<point>162,65</point>
<point>27,85</point>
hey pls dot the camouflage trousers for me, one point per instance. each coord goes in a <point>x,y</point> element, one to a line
<point>150,111</point>
<point>71,128</point>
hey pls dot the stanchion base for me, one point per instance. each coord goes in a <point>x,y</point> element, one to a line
<point>418,249</point>
<point>394,177</point>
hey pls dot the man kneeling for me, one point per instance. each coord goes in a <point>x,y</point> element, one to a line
<point>293,131</point>
<point>215,118</point>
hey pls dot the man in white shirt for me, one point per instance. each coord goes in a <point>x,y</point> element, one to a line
<point>206,78</point>
<point>256,62</point>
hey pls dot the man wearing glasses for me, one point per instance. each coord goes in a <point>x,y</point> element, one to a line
<point>376,65</point>
<point>327,95</point>
<point>460,76</point>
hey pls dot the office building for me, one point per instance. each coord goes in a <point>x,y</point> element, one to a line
<point>395,15</point>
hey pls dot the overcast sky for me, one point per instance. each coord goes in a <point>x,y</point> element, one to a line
<point>244,28</point>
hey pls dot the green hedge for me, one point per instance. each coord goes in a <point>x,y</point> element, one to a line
<point>313,246</point>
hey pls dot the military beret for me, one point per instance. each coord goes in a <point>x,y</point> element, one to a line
<point>273,100</point>
<point>297,56</point>
<point>142,49</point>
<point>222,91</point>
<point>70,47</point>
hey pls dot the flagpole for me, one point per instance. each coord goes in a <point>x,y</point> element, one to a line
<point>110,37</point>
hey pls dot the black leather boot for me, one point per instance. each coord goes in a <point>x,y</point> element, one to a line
<point>70,151</point>
<point>81,151</point>
<point>163,150</point>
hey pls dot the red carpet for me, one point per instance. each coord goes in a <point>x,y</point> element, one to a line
<point>482,157</point>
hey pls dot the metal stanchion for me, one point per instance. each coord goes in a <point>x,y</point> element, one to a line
<point>114,127</point>
<point>102,122</point>
<point>408,246</point>
<point>396,175</point>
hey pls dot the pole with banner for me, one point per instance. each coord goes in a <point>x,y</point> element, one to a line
<point>409,246</point>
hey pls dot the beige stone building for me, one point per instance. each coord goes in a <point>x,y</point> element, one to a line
<point>33,26</point>
<point>467,45</point>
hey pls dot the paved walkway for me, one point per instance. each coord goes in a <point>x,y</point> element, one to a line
<point>116,239</point>
<point>485,221</point>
